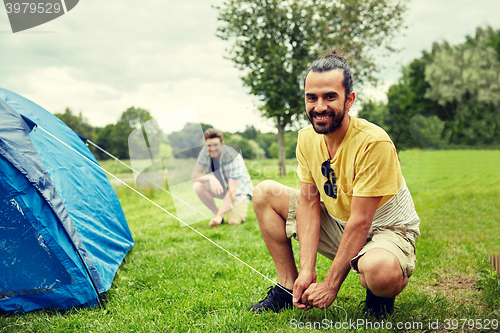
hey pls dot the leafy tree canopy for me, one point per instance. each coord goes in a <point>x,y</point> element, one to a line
<point>77,123</point>
<point>459,84</point>
<point>188,142</point>
<point>274,41</point>
<point>115,137</point>
<point>468,70</point>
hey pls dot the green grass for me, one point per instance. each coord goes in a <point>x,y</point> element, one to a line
<point>176,281</point>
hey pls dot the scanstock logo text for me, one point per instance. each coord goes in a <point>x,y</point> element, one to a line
<point>26,14</point>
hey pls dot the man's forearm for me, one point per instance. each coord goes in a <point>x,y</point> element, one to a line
<point>228,200</point>
<point>226,203</point>
<point>201,177</point>
<point>353,240</point>
<point>308,227</point>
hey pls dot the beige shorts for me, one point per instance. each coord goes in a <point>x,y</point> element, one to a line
<point>238,213</point>
<point>392,239</point>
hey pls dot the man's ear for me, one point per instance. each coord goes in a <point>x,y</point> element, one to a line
<point>350,100</point>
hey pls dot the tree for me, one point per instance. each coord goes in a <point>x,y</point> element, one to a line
<point>115,137</point>
<point>291,143</point>
<point>466,79</point>
<point>77,123</point>
<point>274,42</point>
<point>188,142</point>
<point>241,145</point>
<point>250,133</point>
<point>258,152</point>
<point>459,84</point>
<point>249,148</point>
<point>427,131</point>
<point>457,73</point>
<point>376,113</point>
<point>401,108</point>
<point>493,40</point>
<point>406,99</point>
<point>273,150</point>
<point>134,117</point>
<point>265,140</point>
<point>107,140</point>
<point>80,125</point>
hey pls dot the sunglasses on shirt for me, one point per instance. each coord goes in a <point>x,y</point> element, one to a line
<point>330,186</point>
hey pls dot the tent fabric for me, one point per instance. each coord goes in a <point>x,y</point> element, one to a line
<point>63,234</point>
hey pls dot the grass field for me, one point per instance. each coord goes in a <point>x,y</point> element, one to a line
<point>176,281</point>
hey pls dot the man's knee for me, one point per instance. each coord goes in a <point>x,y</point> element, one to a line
<point>263,191</point>
<point>382,273</point>
<point>198,187</point>
<point>271,195</point>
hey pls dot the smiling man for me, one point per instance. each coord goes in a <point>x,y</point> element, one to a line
<point>353,205</point>
<point>220,172</point>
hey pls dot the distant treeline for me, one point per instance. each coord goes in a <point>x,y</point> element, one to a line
<point>114,138</point>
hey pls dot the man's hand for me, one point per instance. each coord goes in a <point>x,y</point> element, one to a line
<point>303,281</point>
<point>319,295</point>
<point>215,186</point>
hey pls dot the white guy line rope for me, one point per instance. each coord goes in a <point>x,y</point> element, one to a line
<point>161,188</point>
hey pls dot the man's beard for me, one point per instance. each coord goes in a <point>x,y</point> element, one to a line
<point>336,123</point>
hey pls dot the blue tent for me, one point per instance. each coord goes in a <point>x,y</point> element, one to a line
<point>63,234</point>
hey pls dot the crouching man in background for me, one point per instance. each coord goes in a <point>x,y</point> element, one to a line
<point>220,172</point>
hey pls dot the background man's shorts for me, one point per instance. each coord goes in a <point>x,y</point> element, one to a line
<point>239,212</point>
<point>392,239</point>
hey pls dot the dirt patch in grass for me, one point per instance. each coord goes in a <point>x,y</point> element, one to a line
<point>458,288</point>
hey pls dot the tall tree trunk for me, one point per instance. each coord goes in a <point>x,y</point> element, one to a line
<point>281,147</point>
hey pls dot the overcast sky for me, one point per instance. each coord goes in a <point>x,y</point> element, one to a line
<point>105,56</point>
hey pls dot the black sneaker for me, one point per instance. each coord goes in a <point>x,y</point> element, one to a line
<point>378,307</point>
<point>278,298</point>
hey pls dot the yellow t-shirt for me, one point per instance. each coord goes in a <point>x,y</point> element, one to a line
<point>365,165</point>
